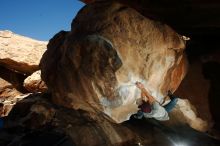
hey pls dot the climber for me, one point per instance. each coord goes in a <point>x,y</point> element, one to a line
<point>150,108</point>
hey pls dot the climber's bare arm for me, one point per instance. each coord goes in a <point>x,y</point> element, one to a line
<point>143,96</point>
<point>144,93</point>
<point>150,98</point>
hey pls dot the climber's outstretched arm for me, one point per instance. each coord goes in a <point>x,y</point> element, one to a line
<point>144,93</point>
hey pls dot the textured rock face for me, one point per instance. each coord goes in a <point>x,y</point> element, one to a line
<point>33,83</point>
<point>11,86</point>
<point>48,124</point>
<point>18,56</point>
<point>36,112</point>
<point>20,53</point>
<point>186,113</point>
<point>7,90</point>
<point>110,47</point>
<point>9,96</point>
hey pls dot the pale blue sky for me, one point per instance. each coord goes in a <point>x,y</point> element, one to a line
<point>38,19</point>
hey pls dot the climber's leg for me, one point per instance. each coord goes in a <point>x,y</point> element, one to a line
<point>139,115</point>
<point>171,104</point>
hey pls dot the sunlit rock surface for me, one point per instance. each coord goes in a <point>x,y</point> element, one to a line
<point>33,83</point>
<point>110,47</point>
<point>20,53</point>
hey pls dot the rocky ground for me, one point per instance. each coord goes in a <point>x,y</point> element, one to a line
<point>36,121</point>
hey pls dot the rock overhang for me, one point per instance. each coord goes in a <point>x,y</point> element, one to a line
<point>94,67</point>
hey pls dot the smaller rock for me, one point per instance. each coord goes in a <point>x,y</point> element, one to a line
<point>185,114</point>
<point>34,83</point>
<point>190,114</point>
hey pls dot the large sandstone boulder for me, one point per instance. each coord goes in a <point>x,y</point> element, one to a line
<point>110,47</point>
<point>20,53</point>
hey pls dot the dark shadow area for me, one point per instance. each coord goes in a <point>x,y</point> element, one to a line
<point>16,79</point>
<point>204,41</point>
<point>169,136</point>
<point>42,137</point>
<point>211,71</point>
